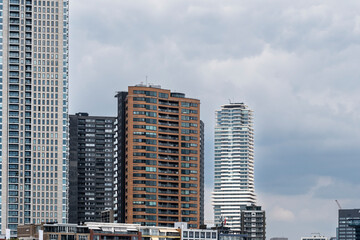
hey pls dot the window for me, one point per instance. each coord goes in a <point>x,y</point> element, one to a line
<point>185,111</point>
<point>163,95</point>
<point>151,114</point>
<point>150,203</point>
<point>151,128</point>
<point>150,169</point>
<point>83,237</point>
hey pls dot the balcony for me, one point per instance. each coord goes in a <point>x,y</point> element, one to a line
<point>14,28</point>
<point>172,185</point>
<point>169,124</point>
<point>167,191</point>
<point>14,60</point>
<point>14,14</point>
<point>168,157</point>
<point>168,116</point>
<point>168,212</point>
<point>14,21</point>
<point>168,178</point>
<point>169,110</point>
<point>169,103</point>
<point>167,198</point>
<point>166,150</point>
<point>14,54</point>
<point>169,130</point>
<point>168,205</point>
<point>14,8</point>
<point>168,219</point>
<point>168,164</point>
<point>168,144</point>
<point>168,171</point>
<point>169,137</point>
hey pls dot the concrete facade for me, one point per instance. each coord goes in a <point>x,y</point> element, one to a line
<point>34,114</point>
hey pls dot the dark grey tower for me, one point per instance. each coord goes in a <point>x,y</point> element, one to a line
<point>202,166</point>
<point>91,164</point>
<point>119,174</point>
<point>349,222</point>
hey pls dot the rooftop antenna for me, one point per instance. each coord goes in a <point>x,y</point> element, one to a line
<point>146,77</point>
<point>229,101</point>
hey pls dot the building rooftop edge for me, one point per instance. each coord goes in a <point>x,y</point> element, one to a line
<point>157,87</point>
<point>85,114</point>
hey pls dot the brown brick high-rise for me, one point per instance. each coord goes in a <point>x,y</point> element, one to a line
<point>159,160</point>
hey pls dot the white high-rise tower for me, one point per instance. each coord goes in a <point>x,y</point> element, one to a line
<point>34,111</point>
<point>234,163</point>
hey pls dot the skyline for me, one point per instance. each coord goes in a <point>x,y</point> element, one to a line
<point>293,63</point>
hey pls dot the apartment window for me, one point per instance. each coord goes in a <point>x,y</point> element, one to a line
<point>163,95</point>
<point>185,104</point>
<point>83,237</point>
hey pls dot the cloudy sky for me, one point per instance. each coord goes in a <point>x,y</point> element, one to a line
<point>295,63</point>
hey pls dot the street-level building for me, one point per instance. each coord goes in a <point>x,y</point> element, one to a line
<point>158,158</point>
<point>253,222</point>
<point>88,231</point>
<point>225,233</point>
<point>33,112</point>
<point>96,231</point>
<point>195,234</point>
<point>315,237</point>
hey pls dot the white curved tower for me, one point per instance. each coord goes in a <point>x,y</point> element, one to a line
<point>234,163</point>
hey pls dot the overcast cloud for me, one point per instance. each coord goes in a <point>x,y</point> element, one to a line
<point>295,63</point>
